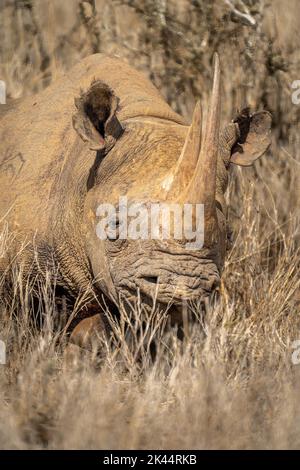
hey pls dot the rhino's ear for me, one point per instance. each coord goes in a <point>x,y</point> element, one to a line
<point>95,119</point>
<point>254,137</point>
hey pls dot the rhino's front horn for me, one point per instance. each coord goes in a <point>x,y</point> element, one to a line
<point>194,177</point>
<point>202,186</point>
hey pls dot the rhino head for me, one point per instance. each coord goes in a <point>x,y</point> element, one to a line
<point>150,159</point>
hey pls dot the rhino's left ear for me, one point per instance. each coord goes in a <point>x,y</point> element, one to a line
<point>254,137</point>
<point>95,119</point>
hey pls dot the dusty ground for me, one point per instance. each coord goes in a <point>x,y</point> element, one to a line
<point>233,386</point>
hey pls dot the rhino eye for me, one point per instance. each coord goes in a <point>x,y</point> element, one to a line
<point>113,229</point>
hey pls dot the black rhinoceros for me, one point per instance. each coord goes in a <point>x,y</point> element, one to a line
<point>100,134</point>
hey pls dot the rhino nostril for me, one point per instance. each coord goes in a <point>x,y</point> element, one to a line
<point>151,279</point>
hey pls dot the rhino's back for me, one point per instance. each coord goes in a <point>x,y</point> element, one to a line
<point>41,155</point>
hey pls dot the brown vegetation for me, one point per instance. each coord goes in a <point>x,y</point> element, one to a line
<point>231,382</point>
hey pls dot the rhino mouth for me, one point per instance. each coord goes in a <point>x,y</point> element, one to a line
<point>177,293</point>
<point>166,288</point>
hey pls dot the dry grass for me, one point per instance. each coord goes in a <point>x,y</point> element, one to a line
<point>231,383</point>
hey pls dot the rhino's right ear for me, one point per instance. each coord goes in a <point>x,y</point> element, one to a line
<point>254,137</point>
<point>95,120</point>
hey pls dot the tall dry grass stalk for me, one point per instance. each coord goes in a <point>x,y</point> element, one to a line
<point>230,383</point>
